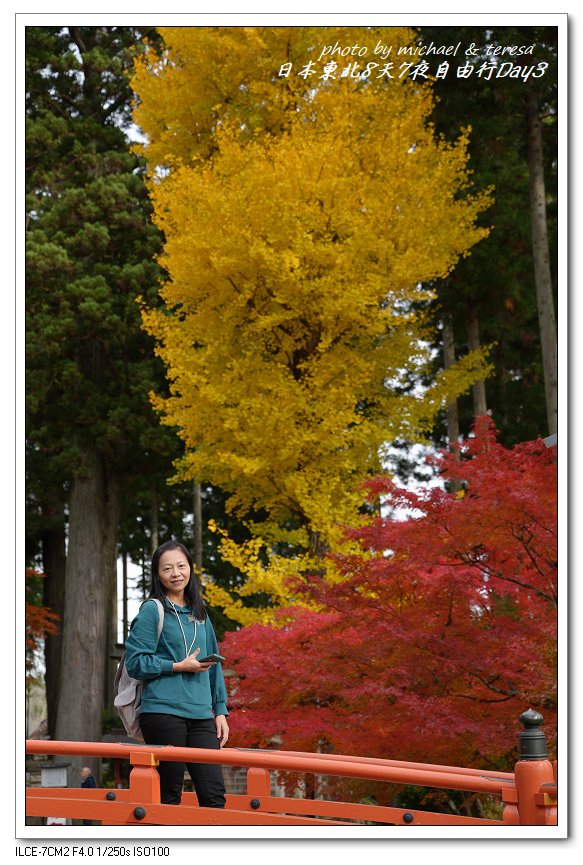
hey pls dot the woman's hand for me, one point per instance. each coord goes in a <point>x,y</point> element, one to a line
<point>222,729</point>
<point>191,665</point>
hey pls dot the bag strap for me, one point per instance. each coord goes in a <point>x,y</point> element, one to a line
<point>160,626</point>
<point>160,618</point>
<point>160,615</point>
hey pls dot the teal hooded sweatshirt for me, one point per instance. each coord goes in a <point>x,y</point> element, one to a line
<point>189,695</point>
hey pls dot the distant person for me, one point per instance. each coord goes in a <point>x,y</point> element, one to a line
<point>184,700</point>
<point>87,780</point>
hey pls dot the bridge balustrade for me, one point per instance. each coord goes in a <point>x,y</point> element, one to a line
<point>529,794</point>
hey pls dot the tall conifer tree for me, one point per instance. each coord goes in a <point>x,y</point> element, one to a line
<point>90,252</point>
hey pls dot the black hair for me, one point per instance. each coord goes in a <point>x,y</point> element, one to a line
<point>192,593</point>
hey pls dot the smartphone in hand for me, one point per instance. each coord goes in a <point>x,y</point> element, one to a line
<point>209,658</point>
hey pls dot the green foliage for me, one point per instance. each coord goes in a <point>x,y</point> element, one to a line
<point>90,248</point>
<point>497,280</point>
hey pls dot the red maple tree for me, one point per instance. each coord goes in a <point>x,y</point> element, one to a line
<point>440,633</point>
<point>40,622</point>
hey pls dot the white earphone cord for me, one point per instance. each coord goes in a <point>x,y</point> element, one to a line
<point>183,634</point>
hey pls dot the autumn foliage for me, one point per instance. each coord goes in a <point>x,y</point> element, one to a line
<point>440,632</point>
<point>304,224</point>
<point>40,622</point>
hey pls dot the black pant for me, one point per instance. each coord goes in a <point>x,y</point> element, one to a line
<point>160,729</point>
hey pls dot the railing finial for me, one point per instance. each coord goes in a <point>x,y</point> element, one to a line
<point>532,740</point>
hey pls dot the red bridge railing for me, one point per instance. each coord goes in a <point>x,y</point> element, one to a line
<point>529,794</point>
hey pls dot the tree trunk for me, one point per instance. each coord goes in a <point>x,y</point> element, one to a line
<point>542,268</point>
<point>197,525</point>
<point>453,426</point>
<point>317,546</point>
<point>54,561</point>
<point>124,630</point>
<point>479,388</point>
<point>90,574</point>
<point>451,412</point>
<point>154,543</point>
<point>112,628</point>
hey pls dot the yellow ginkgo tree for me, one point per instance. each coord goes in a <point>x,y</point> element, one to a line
<point>304,223</point>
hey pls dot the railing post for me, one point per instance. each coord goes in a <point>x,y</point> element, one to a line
<point>258,784</point>
<point>533,772</point>
<point>144,778</point>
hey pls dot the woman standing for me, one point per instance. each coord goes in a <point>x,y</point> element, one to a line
<point>184,701</point>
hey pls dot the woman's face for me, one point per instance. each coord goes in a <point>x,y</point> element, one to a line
<point>174,572</point>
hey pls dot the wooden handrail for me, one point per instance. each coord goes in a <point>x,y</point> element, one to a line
<point>529,794</point>
<point>389,770</point>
